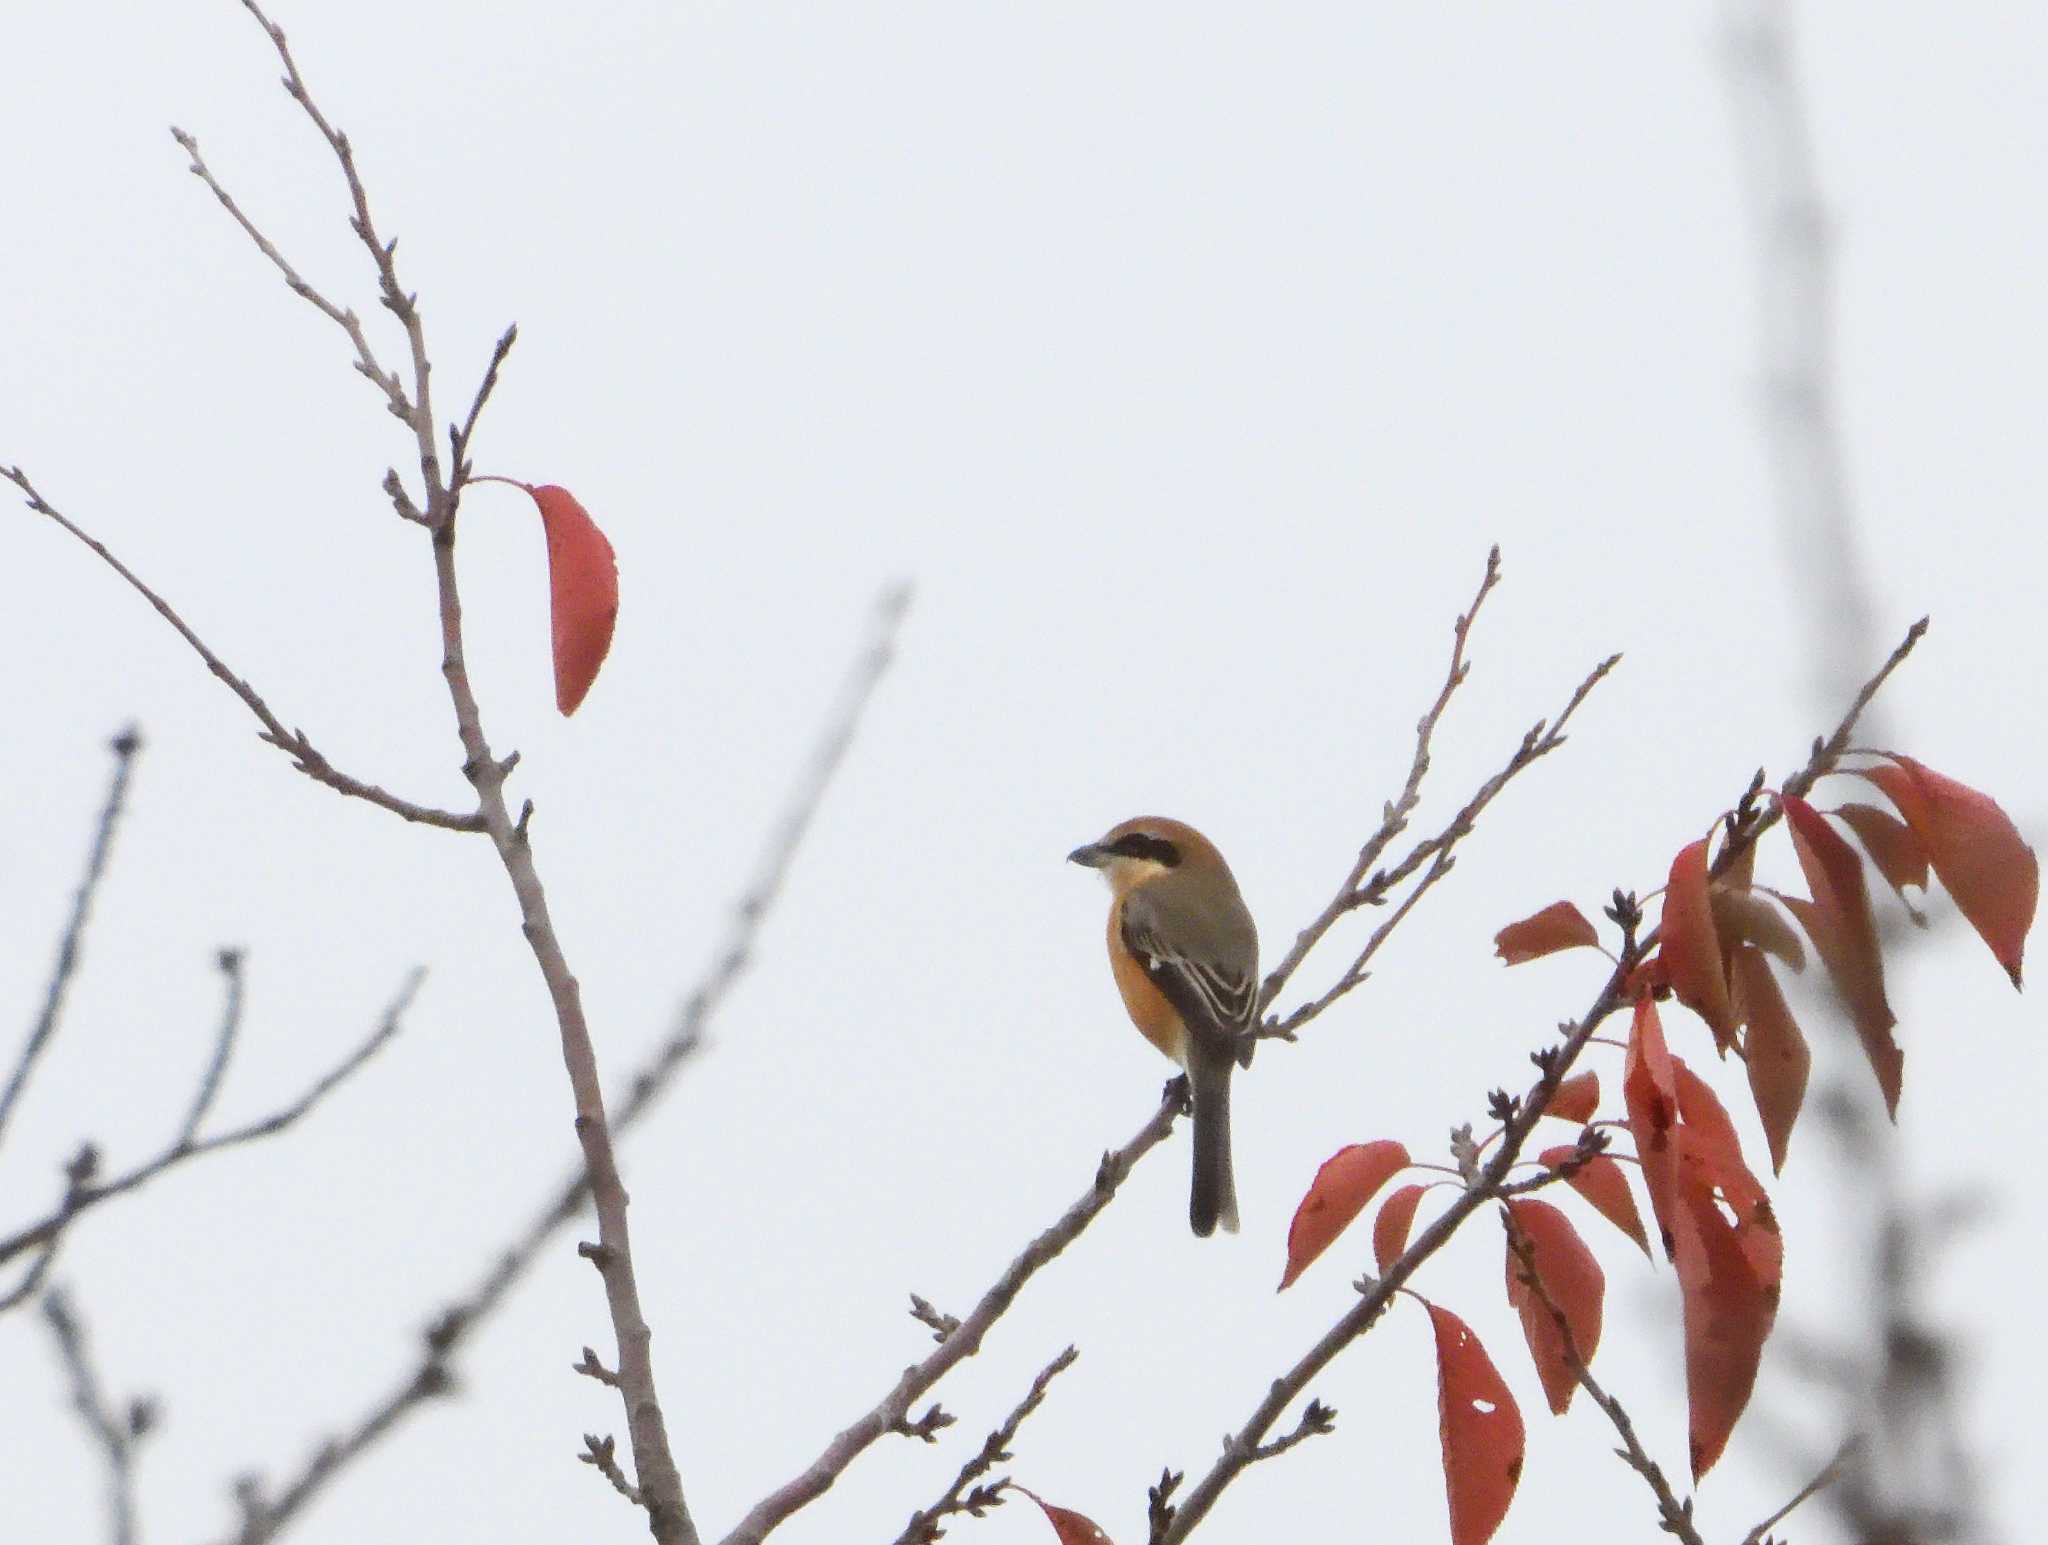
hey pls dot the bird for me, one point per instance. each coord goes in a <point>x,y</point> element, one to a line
<point>1185,955</point>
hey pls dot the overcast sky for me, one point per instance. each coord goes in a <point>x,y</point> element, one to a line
<point>1187,359</point>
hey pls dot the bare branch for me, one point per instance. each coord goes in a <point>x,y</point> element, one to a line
<point>1674,1516</point>
<point>264,1518</point>
<point>965,1341</point>
<point>84,1191</point>
<point>293,743</point>
<point>396,299</point>
<point>116,1433</point>
<point>459,438</point>
<point>230,962</point>
<point>345,319</point>
<point>1316,1421</point>
<point>995,1450</point>
<point>124,746</point>
<point>603,1456</point>
<point>1437,851</point>
<point>1395,820</point>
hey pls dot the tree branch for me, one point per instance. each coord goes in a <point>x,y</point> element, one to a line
<point>124,746</point>
<point>1395,818</point>
<point>264,1518</point>
<point>116,1433</point>
<point>995,1450</point>
<point>1851,1449</point>
<point>965,1340</point>
<point>1675,1517</point>
<point>84,1191</point>
<point>1357,890</point>
<point>305,756</point>
<point>418,414</point>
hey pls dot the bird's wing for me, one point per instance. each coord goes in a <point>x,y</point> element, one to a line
<point>1214,996</point>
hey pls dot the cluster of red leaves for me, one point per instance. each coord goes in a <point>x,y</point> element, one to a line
<point>1717,936</point>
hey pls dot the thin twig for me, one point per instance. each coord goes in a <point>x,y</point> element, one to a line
<point>602,1454</point>
<point>83,1192</point>
<point>230,962</point>
<point>1675,1516</point>
<point>124,746</point>
<point>292,742</point>
<point>115,1433</point>
<point>995,1450</point>
<point>1849,1451</point>
<point>1316,1420</point>
<point>1243,1448</point>
<point>459,437</point>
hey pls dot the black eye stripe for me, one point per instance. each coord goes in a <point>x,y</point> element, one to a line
<point>1144,845</point>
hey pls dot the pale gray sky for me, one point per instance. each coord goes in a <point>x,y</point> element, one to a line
<point>1188,359</point>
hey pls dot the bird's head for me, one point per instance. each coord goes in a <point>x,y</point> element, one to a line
<point>1134,851</point>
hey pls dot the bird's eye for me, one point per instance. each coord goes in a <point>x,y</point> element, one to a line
<point>1146,846</point>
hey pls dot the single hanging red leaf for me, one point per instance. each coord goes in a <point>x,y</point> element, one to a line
<point>1773,1050</point>
<point>1559,926</point>
<point>1390,1228</point>
<point>1342,1187</point>
<point>1743,916</point>
<point>1691,949</point>
<point>1576,1098</point>
<point>1070,1527</point>
<point>1838,921</point>
<point>1575,1283</point>
<point>1603,1182</point>
<point>1649,1090</point>
<point>583,591</point>
<point>1729,1275</point>
<point>1481,1430</point>
<point>1977,851</point>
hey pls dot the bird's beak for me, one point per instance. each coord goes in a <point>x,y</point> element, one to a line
<point>1089,856</point>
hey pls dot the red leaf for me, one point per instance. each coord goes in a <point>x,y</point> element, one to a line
<point>1342,1187</point>
<point>1691,949</point>
<point>1649,1089</point>
<point>1838,922</point>
<point>1071,1527</point>
<point>1390,1228</point>
<point>1602,1182</point>
<point>1559,926</point>
<point>1575,1283</point>
<point>583,589</point>
<point>1481,1429</point>
<point>1891,845</point>
<point>1576,1098</point>
<point>1744,917</point>
<point>1728,1277</point>
<point>1774,1051</point>
<point>1977,851</point>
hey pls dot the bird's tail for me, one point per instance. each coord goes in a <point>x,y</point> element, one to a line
<point>1213,1200</point>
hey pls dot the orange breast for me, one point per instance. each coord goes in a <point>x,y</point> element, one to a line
<point>1155,1017</point>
